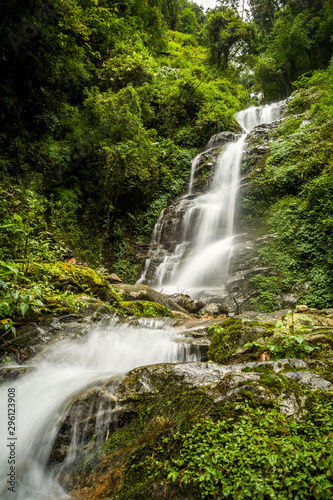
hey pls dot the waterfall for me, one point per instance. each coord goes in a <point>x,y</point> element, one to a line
<point>200,228</point>
<point>63,370</point>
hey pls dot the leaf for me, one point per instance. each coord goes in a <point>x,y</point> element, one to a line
<point>17,217</point>
<point>24,308</point>
<point>7,269</point>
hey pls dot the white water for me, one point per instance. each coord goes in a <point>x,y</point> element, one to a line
<point>63,370</point>
<point>201,257</point>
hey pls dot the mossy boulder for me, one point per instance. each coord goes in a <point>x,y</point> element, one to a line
<point>157,400</point>
<point>146,309</point>
<point>130,293</point>
<point>75,278</point>
<point>281,334</point>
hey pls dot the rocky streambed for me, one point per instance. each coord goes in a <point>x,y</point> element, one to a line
<point>106,430</point>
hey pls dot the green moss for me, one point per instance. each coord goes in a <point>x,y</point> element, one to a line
<point>251,398</point>
<point>147,309</point>
<point>279,384</point>
<point>327,371</point>
<point>264,368</point>
<point>317,398</point>
<point>274,383</point>
<point>247,369</point>
<point>252,323</point>
<point>245,383</point>
<point>224,340</point>
<point>75,278</point>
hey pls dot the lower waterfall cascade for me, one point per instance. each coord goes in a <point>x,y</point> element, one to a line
<point>202,229</point>
<point>60,372</point>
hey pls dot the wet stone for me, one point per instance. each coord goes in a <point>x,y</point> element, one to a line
<point>9,374</point>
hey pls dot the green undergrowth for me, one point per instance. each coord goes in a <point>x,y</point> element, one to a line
<point>290,337</point>
<point>258,455</point>
<point>286,346</point>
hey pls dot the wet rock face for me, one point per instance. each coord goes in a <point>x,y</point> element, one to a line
<point>32,338</point>
<point>205,168</point>
<point>256,151</point>
<point>89,418</point>
<point>9,374</point>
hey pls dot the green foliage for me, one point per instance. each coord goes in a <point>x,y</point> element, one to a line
<point>224,339</point>
<point>100,138</point>
<point>5,360</point>
<point>286,346</point>
<point>266,299</point>
<point>292,41</point>
<point>188,22</point>
<point>23,229</point>
<point>298,193</point>
<point>110,138</point>
<point>256,454</point>
<point>225,34</point>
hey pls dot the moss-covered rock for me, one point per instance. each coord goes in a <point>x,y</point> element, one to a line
<point>156,400</point>
<point>75,278</point>
<point>281,334</point>
<point>131,293</point>
<point>146,309</point>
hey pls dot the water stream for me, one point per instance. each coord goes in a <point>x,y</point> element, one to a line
<point>63,370</point>
<point>202,225</point>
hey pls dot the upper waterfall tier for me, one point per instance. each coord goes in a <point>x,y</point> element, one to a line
<point>192,241</point>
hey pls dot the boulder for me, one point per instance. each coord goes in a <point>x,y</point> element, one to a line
<point>155,399</point>
<point>76,278</point>
<point>214,309</point>
<point>185,301</point>
<point>132,292</point>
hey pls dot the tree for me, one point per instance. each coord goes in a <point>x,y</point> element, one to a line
<point>263,12</point>
<point>171,12</point>
<point>287,54</point>
<point>188,22</point>
<point>226,34</point>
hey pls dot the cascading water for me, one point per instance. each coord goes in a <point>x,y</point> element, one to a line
<point>199,258</point>
<point>63,370</point>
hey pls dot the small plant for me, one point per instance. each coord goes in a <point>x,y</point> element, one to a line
<point>6,360</point>
<point>7,326</point>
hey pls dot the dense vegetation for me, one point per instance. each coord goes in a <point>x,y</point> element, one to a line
<point>294,193</point>
<point>104,103</point>
<point>240,457</point>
